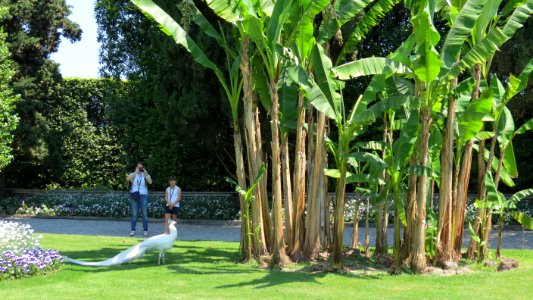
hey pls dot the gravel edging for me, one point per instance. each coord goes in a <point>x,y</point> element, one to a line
<point>150,220</point>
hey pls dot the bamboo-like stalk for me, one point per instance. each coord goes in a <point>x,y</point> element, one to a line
<point>266,223</point>
<point>460,205</point>
<point>278,241</point>
<point>418,257</point>
<point>287,188</point>
<point>382,220</point>
<point>483,168</point>
<point>338,227</point>
<point>312,236</point>
<point>254,162</point>
<point>299,180</point>
<point>355,233</point>
<point>241,180</point>
<point>444,231</point>
<point>411,211</point>
<point>367,229</point>
<point>340,191</point>
<point>463,180</point>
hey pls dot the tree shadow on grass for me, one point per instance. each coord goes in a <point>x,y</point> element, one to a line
<point>276,277</point>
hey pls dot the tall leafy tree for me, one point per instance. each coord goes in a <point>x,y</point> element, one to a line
<point>8,116</point>
<point>34,30</point>
<point>186,96</point>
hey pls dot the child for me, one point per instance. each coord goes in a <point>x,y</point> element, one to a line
<point>172,201</point>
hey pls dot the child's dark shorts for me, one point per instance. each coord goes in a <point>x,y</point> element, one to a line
<point>174,211</point>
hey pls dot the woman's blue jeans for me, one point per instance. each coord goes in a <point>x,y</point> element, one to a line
<point>134,206</point>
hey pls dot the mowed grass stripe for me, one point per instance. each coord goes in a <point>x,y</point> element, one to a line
<point>209,270</point>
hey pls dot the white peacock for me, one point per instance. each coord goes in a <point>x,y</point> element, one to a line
<point>160,242</point>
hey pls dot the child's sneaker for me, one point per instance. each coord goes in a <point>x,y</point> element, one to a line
<point>132,233</point>
<point>145,233</point>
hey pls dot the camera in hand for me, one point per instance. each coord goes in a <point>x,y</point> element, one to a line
<point>141,169</point>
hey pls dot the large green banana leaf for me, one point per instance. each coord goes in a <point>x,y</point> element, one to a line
<point>518,196</point>
<point>173,29</point>
<point>361,29</point>
<point>485,49</point>
<point>322,66</point>
<point>369,66</point>
<point>461,30</point>
<point>523,219</point>
<point>303,30</point>
<point>228,10</point>
<point>488,16</point>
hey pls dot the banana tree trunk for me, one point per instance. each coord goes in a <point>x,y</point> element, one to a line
<point>287,188</point>
<point>254,161</point>
<point>418,258</point>
<point>458,215</point>
<point>356,218</point>
<point>444,233</point>
<point>367,229</point>
<point>382,220</point>
<point>460,205</point>
<point>278,241</point>
<point>241,179</point>
<point>484,249</point>
<point>338,226</point>
<point>340,190</point>
<point>409,231</point>
<point>299,180</point>
<point>263,204</point>
<point>397,251</point>
<point>326,206</point>
<point>312,236</point>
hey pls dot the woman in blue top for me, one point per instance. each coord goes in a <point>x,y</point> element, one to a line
<point>139,183</point>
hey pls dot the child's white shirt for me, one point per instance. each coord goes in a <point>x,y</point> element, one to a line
<point>173,195</point>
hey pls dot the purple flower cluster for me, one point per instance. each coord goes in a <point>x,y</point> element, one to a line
<point>29,263</point>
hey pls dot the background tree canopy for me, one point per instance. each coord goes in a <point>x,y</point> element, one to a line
<point>8,116</point>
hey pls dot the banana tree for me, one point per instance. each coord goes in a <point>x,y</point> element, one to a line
<point>236,13</point>
<point>270,31</point>
<point>232,84</point>
<point>248,199</point>
<point>476,23</point>
<point>501,206</point>
<point>503,134</point>
<point>435,78</point>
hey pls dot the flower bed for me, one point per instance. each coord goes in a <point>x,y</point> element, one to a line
<point>20,255</point>
<point>29,263</point>
<point>116,205</point>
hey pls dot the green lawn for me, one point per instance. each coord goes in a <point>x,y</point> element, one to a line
<point>207,270</point>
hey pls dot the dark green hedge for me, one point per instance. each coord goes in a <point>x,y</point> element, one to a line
<point>100,128</point>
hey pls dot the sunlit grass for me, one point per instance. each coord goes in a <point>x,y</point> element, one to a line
<point>209,270</point>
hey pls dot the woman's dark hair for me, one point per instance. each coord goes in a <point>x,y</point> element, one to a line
<point>172,178</point>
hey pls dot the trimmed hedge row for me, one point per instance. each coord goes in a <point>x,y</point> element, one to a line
<point>116,205</point>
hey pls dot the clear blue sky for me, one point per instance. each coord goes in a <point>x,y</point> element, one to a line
<point>80,59</point>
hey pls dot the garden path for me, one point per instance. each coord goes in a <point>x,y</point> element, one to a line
<point>515,239</point>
